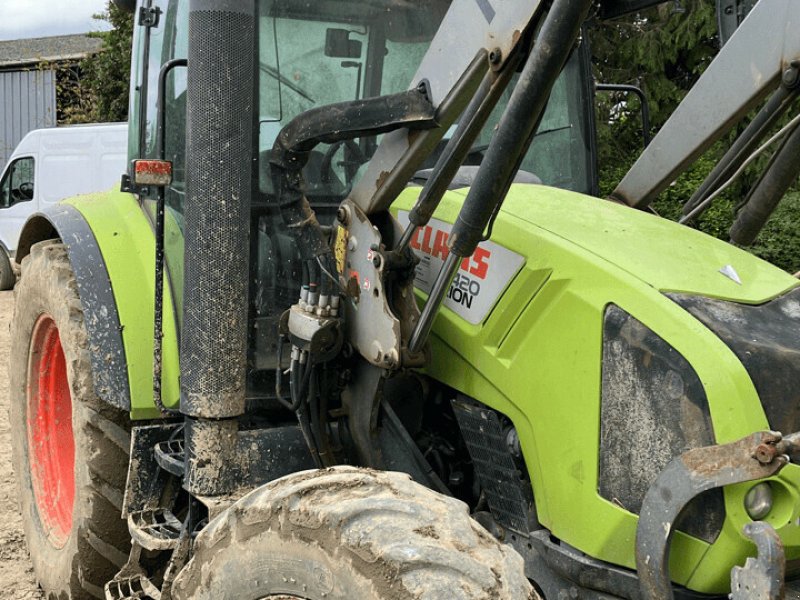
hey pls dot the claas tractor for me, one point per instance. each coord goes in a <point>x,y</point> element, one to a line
<point>357,326</point>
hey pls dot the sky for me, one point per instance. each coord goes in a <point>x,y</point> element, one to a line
<point>41,18</point>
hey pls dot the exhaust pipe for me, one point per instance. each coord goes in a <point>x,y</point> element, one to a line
<point>217,222</point>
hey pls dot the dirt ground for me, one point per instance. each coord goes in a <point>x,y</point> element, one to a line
<point>16,573</point>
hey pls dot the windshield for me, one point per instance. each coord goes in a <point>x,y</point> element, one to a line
<point>317,53</point>
<point>313,53</point>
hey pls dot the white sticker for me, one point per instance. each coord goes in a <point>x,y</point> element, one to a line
<point>479,282</point>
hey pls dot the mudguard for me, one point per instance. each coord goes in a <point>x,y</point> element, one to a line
<point>110,243</point>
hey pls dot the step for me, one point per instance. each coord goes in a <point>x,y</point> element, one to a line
<point>155,529</point>
<point>136,587</point>
<point>169,456</point>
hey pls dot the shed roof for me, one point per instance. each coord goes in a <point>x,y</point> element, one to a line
<point>21,53</point>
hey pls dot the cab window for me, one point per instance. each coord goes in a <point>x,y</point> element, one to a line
<point>17,184</point>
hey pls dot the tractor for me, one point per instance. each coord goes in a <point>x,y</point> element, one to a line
<point>356,325</point>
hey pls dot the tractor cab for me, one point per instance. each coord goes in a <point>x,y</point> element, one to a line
<point>309,55</point>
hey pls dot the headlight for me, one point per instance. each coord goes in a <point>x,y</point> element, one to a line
<point>654,408</point>
<point>758,501</point>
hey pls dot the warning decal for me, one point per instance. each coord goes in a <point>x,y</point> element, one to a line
<point>340,248</point>
<point>481,278</point>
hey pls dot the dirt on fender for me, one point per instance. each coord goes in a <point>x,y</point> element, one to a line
<point>16,573</point>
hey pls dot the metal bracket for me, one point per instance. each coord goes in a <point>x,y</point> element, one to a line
<point>757,456</point>
<point>372,327</point>
<point>761,578</point>
<point>127,185</point>
<point>149,17</point>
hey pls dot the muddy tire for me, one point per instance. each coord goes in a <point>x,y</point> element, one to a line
<point>7,277</point>
<point>70,450</point>
<point>347,533</point>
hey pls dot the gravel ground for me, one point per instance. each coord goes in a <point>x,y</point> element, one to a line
<point>16,573</point>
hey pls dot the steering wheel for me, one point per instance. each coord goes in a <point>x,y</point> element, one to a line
<point>26,190</point>
<point>354,158</point>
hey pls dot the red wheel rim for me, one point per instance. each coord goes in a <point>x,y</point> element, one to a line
<point>50,442</point>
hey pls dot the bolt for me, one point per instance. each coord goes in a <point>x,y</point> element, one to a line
<point>790,77</point>
<point>341,215</point>
<point>765,453</point>
<point>496,56</point>
<point>376,261</point>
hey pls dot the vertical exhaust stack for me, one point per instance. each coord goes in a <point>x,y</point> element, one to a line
<point>220,98</point>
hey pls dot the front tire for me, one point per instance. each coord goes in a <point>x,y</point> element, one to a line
<point>346,533</point>
<point>69,448</point>
<point>7,276</point>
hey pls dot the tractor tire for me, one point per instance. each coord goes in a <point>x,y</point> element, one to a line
<point>70,450</point>
<point>7,276</point>
<point>346,533</point>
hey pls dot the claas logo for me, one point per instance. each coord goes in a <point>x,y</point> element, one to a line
<point>433,242</point>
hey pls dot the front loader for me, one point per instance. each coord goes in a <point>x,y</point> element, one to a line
<point>355,327</point>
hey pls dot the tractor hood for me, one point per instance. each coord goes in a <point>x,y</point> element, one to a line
<point>659,252</point>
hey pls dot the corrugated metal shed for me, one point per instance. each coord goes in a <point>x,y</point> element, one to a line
<point>28,83</point>
<point>27,101</point>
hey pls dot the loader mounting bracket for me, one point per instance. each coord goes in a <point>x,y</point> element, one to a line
<point>757,456</point>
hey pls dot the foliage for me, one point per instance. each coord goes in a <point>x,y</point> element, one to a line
<point>74,103</point>
<point>659,50</point>
<point>664,52</point>
<point>779,242</point>
<point>97,90</point>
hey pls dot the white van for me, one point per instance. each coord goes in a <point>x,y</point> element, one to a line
<point>49,165</point>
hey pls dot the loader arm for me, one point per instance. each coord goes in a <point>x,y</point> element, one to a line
<point>495,28</point>
<point>745,71</point>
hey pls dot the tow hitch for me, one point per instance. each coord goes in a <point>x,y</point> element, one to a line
<point>760,455</point>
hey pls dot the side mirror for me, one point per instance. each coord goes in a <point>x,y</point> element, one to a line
<point>339,45</point>
<point>645,105</point>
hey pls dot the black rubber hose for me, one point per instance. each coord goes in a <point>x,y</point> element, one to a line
<point>329,124</point>
<point>279,377</point>
<point>305,428</point>
<point>313,408</point>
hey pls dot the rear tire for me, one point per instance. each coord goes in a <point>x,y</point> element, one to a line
<point>70,450</point>
<point>7,276</point>
<point>347,533</point>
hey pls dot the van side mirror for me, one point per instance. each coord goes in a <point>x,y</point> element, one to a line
<point>339,45</point>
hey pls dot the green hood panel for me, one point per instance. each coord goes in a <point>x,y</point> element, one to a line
<point>663,254</point>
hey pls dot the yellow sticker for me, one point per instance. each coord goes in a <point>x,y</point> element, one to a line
<point>340,248</point>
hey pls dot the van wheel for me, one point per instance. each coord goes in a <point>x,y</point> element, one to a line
<point>7,277</point>
<point>346,533</point>
<point>70,450</point>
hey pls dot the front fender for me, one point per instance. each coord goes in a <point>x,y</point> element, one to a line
<point>111,248</point>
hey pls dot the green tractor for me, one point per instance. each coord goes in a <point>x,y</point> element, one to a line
<point>355,327</point>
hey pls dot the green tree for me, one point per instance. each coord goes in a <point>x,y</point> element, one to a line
<point>106,74</point>
<point>663,51</point>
